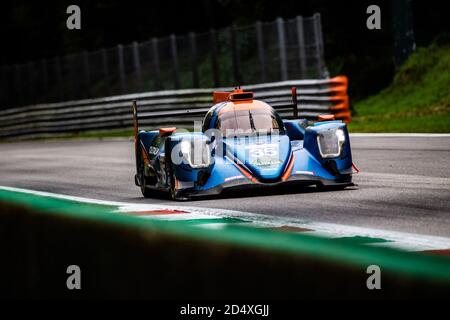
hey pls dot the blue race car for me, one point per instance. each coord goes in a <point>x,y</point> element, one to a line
<point>243,143</point>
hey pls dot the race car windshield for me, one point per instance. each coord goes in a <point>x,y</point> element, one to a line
<point>249,122</point>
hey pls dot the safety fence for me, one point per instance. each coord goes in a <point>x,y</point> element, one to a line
<point>170,107</point>
<point>264,52</point>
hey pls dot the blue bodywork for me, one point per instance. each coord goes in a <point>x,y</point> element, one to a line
<point>292,155</point>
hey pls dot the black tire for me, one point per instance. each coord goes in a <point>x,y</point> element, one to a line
<point>173,193</point>
<point>171,175</point>
<point>146,192</point>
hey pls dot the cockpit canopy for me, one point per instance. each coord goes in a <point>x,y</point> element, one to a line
<point>243,118</point>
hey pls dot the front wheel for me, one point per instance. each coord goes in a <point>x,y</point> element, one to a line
<point>143,181</point>
<point>174,194</point>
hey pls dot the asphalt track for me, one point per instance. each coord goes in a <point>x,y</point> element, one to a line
<point>404,184</point>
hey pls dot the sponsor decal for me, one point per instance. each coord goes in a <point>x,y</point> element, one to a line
<point>305,172</point>
<point>234,178</point>
<point>153,150</point>
<point>264,155</point>
<point>266,162</point>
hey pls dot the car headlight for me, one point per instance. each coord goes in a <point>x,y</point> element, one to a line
<point>330,142</point>
<point>196,153</point>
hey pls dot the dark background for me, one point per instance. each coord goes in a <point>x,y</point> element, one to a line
<point>32,30</point>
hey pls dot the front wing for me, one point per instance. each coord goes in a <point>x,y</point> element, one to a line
<point>226,176</point>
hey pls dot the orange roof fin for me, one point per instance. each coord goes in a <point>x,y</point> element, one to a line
<point>235,95</point>
<point>326,117</point>
<point>219,96</point>
<point>165,131</point>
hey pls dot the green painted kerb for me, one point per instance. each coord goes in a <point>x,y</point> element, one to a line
<point>242,234</point>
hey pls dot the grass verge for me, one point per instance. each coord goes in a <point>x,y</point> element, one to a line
<point>418,100</point>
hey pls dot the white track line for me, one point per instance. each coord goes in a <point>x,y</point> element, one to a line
<point>402,240</point>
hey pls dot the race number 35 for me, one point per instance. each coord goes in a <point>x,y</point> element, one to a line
<point>263,152</point>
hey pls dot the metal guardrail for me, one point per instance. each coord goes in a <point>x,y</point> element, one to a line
<point>170,107</point>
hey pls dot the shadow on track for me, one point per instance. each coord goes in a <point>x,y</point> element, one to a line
<point>251,192</point>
